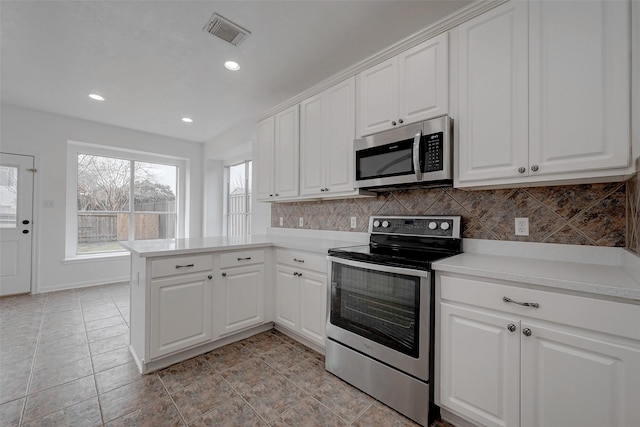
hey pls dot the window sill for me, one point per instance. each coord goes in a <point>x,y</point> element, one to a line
<point>96,257</point>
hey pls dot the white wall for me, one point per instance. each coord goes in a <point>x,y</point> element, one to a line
<point>45,136</point>
<point>231,147</point>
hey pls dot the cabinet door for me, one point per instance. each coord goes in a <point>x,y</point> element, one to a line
<point>378,97</point>
<point>340,123</point>
<point>574,378</point>
<point>313,305</point>
<point>480,365</point>
<point>579,85</point>
<point>287,145</point>
<point>287,297</point>
<point>424,80</point>
<point>312,141</point>
<point>265,159</point>
<point>181,313</point>
<point>492,94</point>
<point>242,302</point>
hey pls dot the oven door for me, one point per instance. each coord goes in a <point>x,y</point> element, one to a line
<point>383,312</point>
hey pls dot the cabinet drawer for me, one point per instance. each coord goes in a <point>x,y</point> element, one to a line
<point>609,317</point>
<point>304,260</point>
<point>236,259</point>
<point>180,265</point>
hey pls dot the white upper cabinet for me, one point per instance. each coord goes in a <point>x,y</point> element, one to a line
<point>277,162</point>
<point>265,160</point>
<point>492,120</point>
<point>407,88</point>
<point>327,130</point>
<point>543,90</point>
<point>579,86</point>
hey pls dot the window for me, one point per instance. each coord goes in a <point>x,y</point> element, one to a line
<point>120,195</point>
<point>238,214</point>
<point>8,196</point>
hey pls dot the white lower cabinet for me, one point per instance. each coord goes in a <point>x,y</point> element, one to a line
<point>480,365</point>
<point>242,299</point>
<point>572,361</point>
<point>301,294</point>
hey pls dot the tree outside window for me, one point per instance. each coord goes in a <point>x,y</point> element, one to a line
<point>121,199</point>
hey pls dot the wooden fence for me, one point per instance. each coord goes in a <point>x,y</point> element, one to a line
<point>106,227</point>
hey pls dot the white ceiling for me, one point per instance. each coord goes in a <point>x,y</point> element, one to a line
<point>154,64</point>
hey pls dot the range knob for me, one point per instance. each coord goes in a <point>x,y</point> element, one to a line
<point>433,226</point>
<point>385,224</point>
<point>445,225</point>
<point>376,223</point>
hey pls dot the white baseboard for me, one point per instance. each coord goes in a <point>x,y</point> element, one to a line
<point>80,285</point>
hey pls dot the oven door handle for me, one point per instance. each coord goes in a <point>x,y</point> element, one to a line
<point>379,267</point>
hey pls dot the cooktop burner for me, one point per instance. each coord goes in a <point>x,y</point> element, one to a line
<point>411,242</point>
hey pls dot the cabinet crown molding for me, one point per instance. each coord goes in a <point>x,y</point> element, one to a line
<point>445,24</point>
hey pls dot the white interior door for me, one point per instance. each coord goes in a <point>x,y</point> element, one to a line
<point>16,213</point>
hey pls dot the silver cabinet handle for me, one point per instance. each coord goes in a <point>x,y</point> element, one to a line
<point>534,168</point>
<point>244,259</point>
<point>298,260</point>
<point>224,274</point>
<point>526,332</point>
<point>525,304</point>
<point>184,266</point>
<point>522,169</point>
<point>511,327</point>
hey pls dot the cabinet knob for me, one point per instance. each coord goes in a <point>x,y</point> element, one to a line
<point>511,327</point>
<point>534,168</point>
<point>224,274</point>
<point>393,123</point>
<point>326,189</point>
<point>522,169</point>
<point>277,194</point>
<point>270,195</point>
<point>526,332</point>
<point>210,277</point>
<point>400,121</point>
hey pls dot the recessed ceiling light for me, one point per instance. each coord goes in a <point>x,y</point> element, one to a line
<point>232,65</point>
<point>96,97</point>
<point>187,120</point>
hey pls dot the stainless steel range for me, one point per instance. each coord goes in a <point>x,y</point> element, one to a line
<point>381,305</point>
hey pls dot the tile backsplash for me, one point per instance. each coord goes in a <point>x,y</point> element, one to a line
<point>633,214</point>
<point>590,214</point>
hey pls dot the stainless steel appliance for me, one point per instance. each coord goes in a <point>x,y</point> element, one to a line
<point>380,311</point>
<point>417,155</point>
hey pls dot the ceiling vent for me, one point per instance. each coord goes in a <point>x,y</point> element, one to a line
<point>226,30</point>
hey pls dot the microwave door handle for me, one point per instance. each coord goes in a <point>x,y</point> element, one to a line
<point>416,156</point>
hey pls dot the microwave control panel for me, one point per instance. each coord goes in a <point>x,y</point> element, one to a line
<point>432,149</point>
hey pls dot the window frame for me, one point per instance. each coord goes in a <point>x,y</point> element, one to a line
<point>247,196</point>
<point>71,230</point>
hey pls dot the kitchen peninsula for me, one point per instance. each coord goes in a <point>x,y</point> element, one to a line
<point>189,296</point>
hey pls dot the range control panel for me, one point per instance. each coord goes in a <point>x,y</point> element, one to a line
<point>435,226</point>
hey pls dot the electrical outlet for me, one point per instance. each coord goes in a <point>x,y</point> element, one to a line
<point>522,226</point>
<point>281,221</point>
<point>301,222</point>
<point>353,222</point>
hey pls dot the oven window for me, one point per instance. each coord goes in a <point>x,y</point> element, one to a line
<point>380,306</point>
<point>386,160</point>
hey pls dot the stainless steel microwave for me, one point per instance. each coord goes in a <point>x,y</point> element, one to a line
<point>417,155</point>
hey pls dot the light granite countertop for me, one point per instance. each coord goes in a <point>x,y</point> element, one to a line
<point>167,247</point>
<point>610,273</point>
